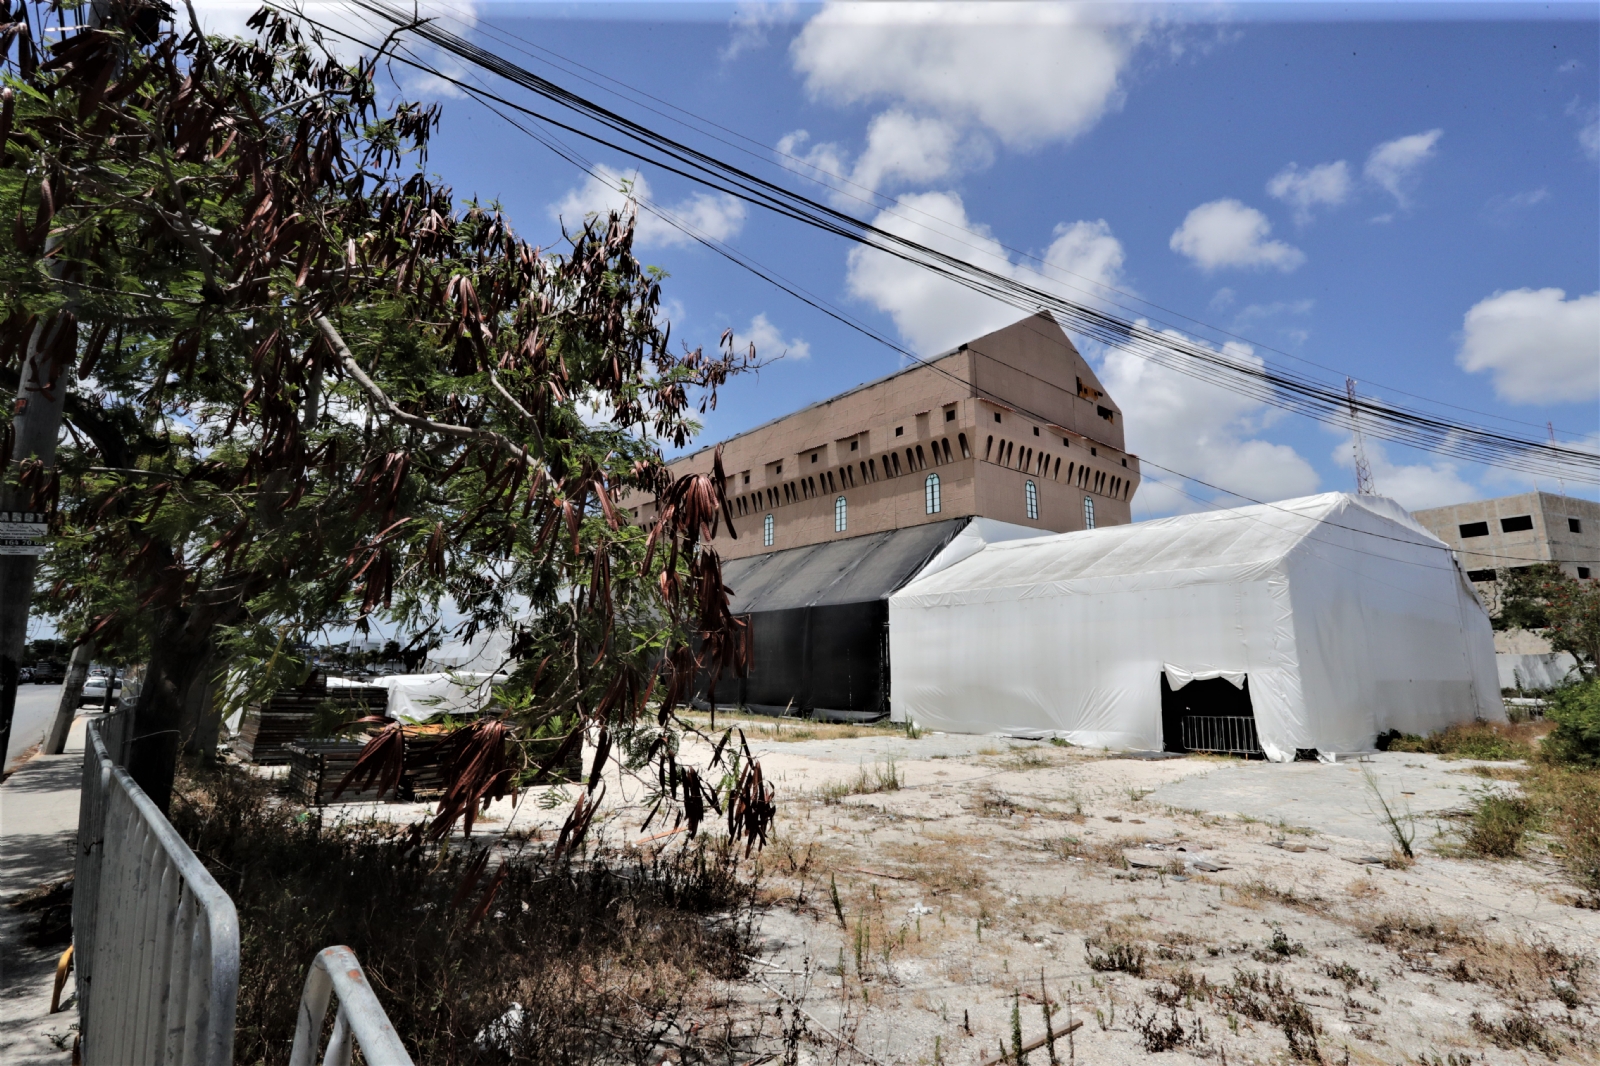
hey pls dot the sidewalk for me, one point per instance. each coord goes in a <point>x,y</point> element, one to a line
<point>38,833</point>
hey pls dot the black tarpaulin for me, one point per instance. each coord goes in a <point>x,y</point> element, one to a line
<point>819,619</point>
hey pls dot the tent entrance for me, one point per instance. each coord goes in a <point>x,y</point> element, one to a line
<point>1210,715</point>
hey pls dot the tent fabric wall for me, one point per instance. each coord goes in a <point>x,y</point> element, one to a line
<point>1346,616</point>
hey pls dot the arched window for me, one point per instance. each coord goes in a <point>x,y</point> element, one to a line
<point>930,491</point>
<point>1088,512</point>
<point>966,452</point>
<point>896,457</point>
<point>839,517</point>
<point>1032,492</point>
<point>987,448</point>
<point>922,460</point>
<point>766,531</point>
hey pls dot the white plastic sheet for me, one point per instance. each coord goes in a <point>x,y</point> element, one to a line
<point>1178,676</point>
<point>1346,616</point>
<point>419,697</point>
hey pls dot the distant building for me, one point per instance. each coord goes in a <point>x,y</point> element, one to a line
<point>965,433</point>
<point>1515,532</point>
<point>1510,534</point>
<point>840,503</point>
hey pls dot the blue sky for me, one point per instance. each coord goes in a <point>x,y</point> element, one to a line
<point>1407,195</point>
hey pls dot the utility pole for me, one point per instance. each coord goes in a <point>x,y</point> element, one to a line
<point>1364,485</point>
<point>36,414</point>
<point>1561,481</point>
<point>36,422</point>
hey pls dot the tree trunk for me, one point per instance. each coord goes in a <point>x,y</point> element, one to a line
<point>200,719</point>
<point>177,661</point>
<point>71,693</point>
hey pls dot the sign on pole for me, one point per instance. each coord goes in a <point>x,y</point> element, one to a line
<point>23,532</point>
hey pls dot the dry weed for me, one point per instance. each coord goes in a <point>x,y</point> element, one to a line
<point>606,953</point>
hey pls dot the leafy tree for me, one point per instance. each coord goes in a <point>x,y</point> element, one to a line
<point>1565,608</point>
<point>303,388</point>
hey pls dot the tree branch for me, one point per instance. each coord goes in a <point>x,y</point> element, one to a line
<point>533,423</point>
<point>331,334</point>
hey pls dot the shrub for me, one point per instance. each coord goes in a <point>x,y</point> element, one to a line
<point>1490,741</point>
<point>604,952</point>
<point>1110,953</point>
<point>1575,709</point>
<point>1498,823</point>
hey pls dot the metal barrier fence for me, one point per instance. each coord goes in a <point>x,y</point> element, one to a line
<point>156,940</point>
<point>1221,735</point>
<point>360,1020</point>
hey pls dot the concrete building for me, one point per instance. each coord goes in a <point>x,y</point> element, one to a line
<point>840,503</point>
<point>1491,537</point>
<point>1513,532</point>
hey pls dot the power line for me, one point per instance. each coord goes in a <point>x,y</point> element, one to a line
<point>872,198</point>
<point>1281,389</point>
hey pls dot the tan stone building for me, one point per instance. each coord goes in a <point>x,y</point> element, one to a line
<point>1013,426</point>
<point>841,503</point>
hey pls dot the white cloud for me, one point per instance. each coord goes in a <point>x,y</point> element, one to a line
<point>901,148</point>
<point>1324,184</point>
<point>1030,72</point>
<point>715,216</point>
<point>933,313</point>
<point>1504,210</point>
<point>1589,132</point>
<point>751,23</point>
<point>1540,346</point>
<point>769,342</point>
<point>1203,430</point>
<point>1394,165</point>
<point>1226,233</point>
<point>1414,486</point>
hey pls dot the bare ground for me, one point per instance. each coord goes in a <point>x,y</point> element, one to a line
<point>931,921</point>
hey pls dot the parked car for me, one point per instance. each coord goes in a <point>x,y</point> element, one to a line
<point>48,673</point>
<point>94,690</point>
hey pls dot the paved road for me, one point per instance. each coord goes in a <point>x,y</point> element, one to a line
<point>36,705</point>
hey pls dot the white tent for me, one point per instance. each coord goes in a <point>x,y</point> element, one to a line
<point>419,697</point>
<point>1340,614</point>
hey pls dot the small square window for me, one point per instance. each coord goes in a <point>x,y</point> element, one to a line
<point>1065,443</point>
<point>747,478</point>
<point>1474,529</point>
<point>899,431</point>
<point>1583,572</point>
<point>813,457</point>
<point>1124,462</point>
<point>997,416</point>
<point>1574,525</point>
<point>950,415</point>
<point>1094,451</point>
<point>778,470</point>
<point>1035,431</point>
<point>854,445</point>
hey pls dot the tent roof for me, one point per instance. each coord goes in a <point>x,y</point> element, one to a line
<point>1187,544</point>
<point>855,570</point>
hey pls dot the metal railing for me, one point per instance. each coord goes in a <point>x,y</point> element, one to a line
<point>1221,735</point>
<point>360,1020</point>
<point>156,939</point>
